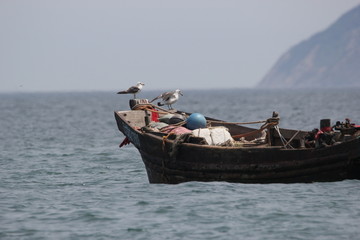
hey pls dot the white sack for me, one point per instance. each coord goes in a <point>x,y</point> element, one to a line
<point>214,135</point>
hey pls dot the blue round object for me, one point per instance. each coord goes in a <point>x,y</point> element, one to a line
<point>196,120</point>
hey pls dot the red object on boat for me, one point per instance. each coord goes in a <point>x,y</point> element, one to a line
<point>175,130</point>
<point>317,135</point>
<point>326,129</point>
<point>154,116</point>
<point>126,141</point>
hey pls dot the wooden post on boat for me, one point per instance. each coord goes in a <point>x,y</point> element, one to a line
<point>270,129</point>
<point>147,119</point>
<point>132,103</point>
<point>269,135</point>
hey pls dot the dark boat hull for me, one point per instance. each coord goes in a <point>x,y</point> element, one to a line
<point>167,162</point>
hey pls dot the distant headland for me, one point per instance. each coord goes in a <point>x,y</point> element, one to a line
<point>329,59</point>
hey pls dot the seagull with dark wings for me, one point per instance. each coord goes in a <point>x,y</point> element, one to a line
<point>133,90</point>
<point>168,98</point>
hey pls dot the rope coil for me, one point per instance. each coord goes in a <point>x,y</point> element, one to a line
<point>148,107</point>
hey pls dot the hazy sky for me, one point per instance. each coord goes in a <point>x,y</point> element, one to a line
<point>112,44</point>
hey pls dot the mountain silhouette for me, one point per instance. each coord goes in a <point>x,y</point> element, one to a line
<point>329,59</point>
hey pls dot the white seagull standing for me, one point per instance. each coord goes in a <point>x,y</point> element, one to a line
<point>169,98</point>
<point>133,90</point>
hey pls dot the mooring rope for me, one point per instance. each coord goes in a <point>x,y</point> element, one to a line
<point>283,140</point>
<point>239,123</point>
<point>150,108</point>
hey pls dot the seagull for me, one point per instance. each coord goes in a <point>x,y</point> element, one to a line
<point>169,98</point>
<point>134,89</point>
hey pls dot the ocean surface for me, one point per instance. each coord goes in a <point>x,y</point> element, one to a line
<point>63,176</point>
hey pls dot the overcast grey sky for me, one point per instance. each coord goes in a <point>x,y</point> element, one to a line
<point>52,45</point>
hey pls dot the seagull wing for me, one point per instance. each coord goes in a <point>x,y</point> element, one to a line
<point>132,89</point>
<point>160,96</point>
<point>166,96</point>
<point>156,98</point>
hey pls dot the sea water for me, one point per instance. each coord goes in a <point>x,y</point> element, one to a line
<point>63,176</point>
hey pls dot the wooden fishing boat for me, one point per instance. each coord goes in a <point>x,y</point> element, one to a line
<point>282,157</point>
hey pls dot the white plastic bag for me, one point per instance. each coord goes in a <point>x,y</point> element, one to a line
<point>214,135</point>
